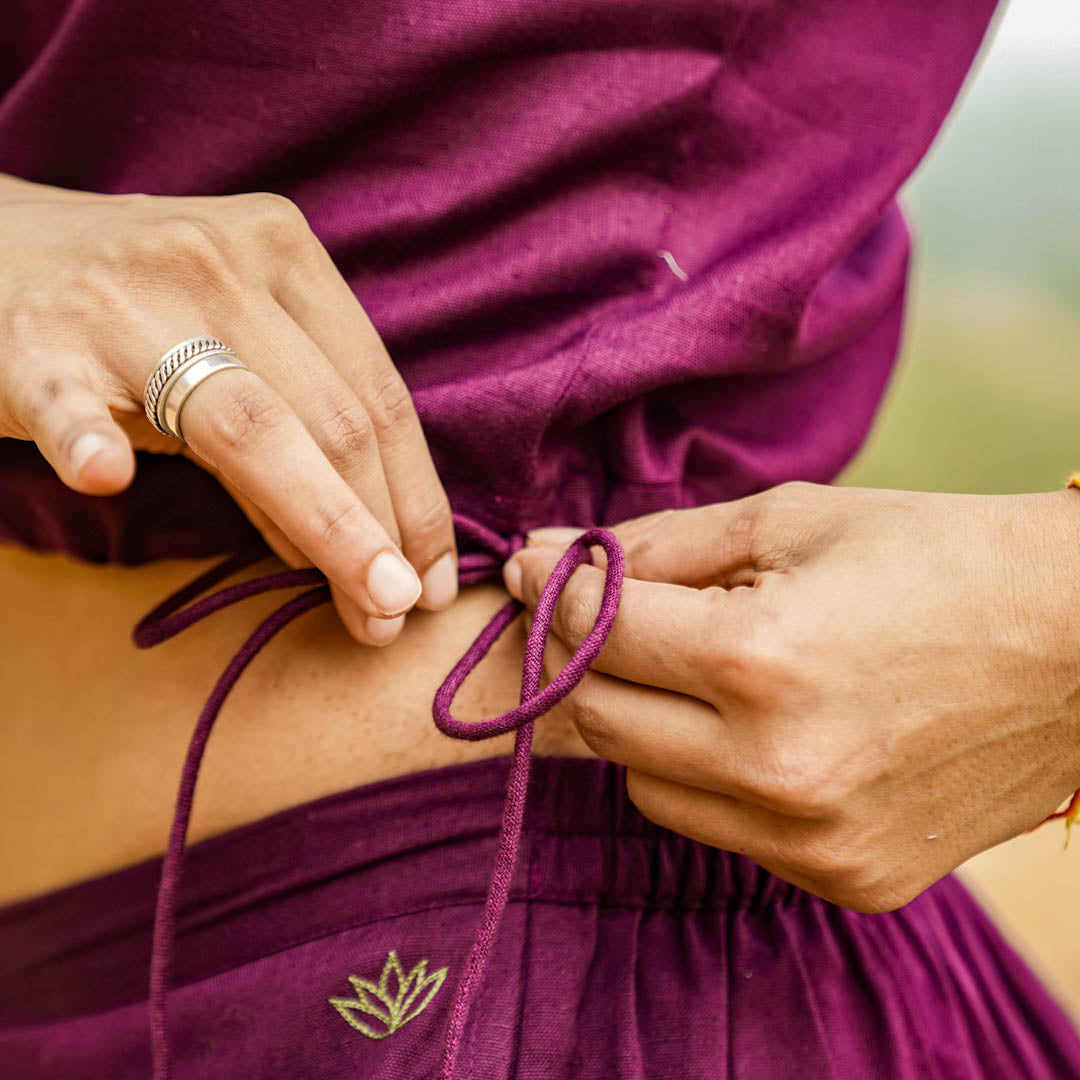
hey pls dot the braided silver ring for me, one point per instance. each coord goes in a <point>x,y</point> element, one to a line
<point>177,373</point>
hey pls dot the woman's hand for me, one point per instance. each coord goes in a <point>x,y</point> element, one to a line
<point>858,689</point>
<point>318,442</point>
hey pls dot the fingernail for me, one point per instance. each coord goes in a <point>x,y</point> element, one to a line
<point>383,631</point>
<point>512,578</point>
<point>392,583</point>
<point>86,446</point>
<point>440,582</point>
<point>556,534</point>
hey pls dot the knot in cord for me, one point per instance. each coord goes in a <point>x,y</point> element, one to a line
<point>183,608</point>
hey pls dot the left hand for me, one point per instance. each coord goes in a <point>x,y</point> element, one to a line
<point>858,689</point>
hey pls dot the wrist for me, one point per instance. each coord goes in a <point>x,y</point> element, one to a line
<point>1056,535</point>
<point>1061,537</point>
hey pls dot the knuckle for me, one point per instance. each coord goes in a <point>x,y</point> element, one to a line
<point>190,246</point>
<point>809,795</point>
<point>391,403</point>
<point>55,406</point>
<point>654,802</point>
<point>826,862</point>
<point>576,614</point>
<point>872,901</point>
<point>759,659</point>
<point>277,218</point>
<point>339,523</point>
<point>245,420</point>
<point>351,433</point>
<point>593,721</point>
<point>429,521</point>
<point>38,402</point>
<point>841,862</point>
<point>190,238</point>
<point>872,894</point>
<point>742,535</point>
<point>790,497</point>
<point>793,492</point>
<point>800,781</point>
<point>757,533</point>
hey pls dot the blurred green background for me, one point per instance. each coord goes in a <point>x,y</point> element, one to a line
<point>987,394</point>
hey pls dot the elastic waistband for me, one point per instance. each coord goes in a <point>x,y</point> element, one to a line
<point>416,842</point>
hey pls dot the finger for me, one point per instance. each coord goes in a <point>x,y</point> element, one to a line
<point>74,430</point>
<point>246,430</point>
<point>282,354</point>
<point>342,429</point>
<point>722,822</point>
<point>727,544</point>
<point>805,853</point>
<point>773,841</point>
<point>670,636</point>
<point>672,735</point>
<point>709,817</point>
<point>275,539</point>
<point>336,322</point>
<point>366,629</point>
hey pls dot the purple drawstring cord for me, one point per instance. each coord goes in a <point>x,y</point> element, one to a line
<point>182,609</point>
<point>534,702</point>
<point>162,623</point>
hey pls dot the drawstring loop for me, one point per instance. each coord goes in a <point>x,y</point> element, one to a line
<point>183,608</point>
<point>534,702</point>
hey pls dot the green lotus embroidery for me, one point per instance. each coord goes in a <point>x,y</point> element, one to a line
<point>393,1008</point>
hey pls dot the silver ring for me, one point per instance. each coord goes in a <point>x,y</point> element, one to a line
<point>177,373</point>
<point>178,388</point>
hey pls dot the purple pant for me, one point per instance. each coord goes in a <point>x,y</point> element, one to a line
<point>627,952</point>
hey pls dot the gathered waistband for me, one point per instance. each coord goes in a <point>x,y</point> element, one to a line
<point>398,846</point>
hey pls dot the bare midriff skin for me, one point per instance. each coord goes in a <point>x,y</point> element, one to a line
<point>93,730</point>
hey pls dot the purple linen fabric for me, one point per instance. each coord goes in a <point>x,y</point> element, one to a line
<point>627,255</point>
<point>626,953</point>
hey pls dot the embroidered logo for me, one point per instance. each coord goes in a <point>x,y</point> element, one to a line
<point>392,1001</point>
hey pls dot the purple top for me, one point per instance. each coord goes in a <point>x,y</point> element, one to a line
<point>627,256</point>
<point>674,276</point>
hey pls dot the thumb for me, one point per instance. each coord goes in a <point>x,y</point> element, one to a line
<point>726,544</point>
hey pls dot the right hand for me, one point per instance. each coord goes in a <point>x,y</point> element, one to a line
<point>318,442</point>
